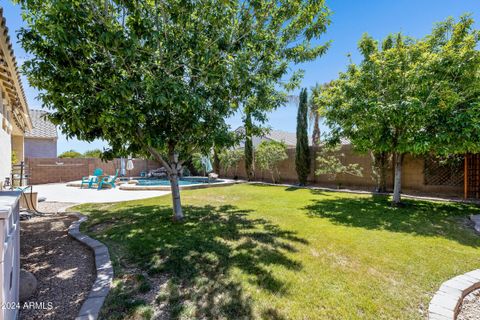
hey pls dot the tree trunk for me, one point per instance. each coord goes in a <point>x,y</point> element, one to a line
<point>249,148</point>
<point>380,164</point>
<point>382,184</point>
<point>216,161</point>
<point>177,205</point>
<point>316,131</point>
<point>397,185</point>
<point>173,169</point>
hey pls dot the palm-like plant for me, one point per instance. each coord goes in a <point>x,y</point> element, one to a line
<point>314,112</point>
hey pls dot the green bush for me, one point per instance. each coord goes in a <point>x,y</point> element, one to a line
<point>95,153</point>
<point>268,156</point>
<point>70,154</point>
<point>229,159</point>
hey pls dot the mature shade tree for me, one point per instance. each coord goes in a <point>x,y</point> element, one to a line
<point>161,77</point>
<point>411,96</point>
<point>302,151</point>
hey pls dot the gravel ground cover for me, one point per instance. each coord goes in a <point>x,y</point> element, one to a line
<point>470,309</point>
<point>63,267</point>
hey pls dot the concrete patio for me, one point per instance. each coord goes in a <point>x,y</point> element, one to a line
<point>59,192</point>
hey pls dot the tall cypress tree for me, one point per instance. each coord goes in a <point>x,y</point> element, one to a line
<point>248,146</point>
<point>302,155</point>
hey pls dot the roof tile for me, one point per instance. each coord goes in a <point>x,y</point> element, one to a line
<point>42,127</point>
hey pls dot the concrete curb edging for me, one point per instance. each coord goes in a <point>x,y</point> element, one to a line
<point>101,287</point>
<point>359,191</point>
<point>446,302</point>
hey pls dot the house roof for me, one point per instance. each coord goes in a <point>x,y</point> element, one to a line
<point>10,78</point>
<point>289,138</point>
<point>42,127</point>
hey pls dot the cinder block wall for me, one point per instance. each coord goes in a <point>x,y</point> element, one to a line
<point>50,170</point>
<point>413,178</point>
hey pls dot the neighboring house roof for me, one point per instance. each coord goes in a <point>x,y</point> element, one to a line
<point>42,127</point>
<point>289,138</point>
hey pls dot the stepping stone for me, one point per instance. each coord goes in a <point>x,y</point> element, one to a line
<point>476,219</point>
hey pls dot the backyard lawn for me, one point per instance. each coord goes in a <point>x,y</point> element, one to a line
<point>249,251</point>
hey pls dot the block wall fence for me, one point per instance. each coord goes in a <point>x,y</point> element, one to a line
<point>51,170</point>
<point>413,174</point>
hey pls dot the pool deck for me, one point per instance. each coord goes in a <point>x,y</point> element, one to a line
<point>59,192</point>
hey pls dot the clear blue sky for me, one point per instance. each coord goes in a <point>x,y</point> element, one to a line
<point>350,19</point>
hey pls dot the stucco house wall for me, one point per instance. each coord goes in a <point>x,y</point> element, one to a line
<point>40,148</point>
<point>5,154</point>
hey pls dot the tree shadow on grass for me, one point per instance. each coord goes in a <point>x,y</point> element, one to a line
<point>201,254</point>
<point>426,218</point>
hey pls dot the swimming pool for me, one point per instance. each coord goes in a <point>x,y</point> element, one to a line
<point>181,182</point>
<point>164,184</point>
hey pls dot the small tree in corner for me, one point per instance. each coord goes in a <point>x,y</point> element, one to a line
<point>268,155</point>
<point>302,154</point>
<point>229,159</point>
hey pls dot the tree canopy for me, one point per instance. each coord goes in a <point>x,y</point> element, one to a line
<point>161,77</point>
<point>411,96</point>
<point>70,154</point>
<point>94,153</point>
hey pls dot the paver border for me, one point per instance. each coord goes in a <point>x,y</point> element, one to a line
<point>91,307</point>
<point>446,302</point>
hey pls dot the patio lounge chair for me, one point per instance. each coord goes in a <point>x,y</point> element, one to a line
<point>108,180</point>
<point>93,179</point>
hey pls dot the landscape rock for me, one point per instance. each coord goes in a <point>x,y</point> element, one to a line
<point>28,284</point>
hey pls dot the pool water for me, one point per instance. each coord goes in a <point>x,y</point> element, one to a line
<point>182,182</point>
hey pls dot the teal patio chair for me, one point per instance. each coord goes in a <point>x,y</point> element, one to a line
<point>108,180</point>
<point>93,179</point>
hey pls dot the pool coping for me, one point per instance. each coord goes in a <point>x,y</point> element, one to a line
<point>92,305</point>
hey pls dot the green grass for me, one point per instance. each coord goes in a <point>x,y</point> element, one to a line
<point>283,253</point>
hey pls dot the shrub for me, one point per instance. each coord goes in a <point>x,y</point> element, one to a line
<point>95,153</point>
<point>329,161</point>
<point>230,158</point>
<point>268,156</point>
<point>70,154</point>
